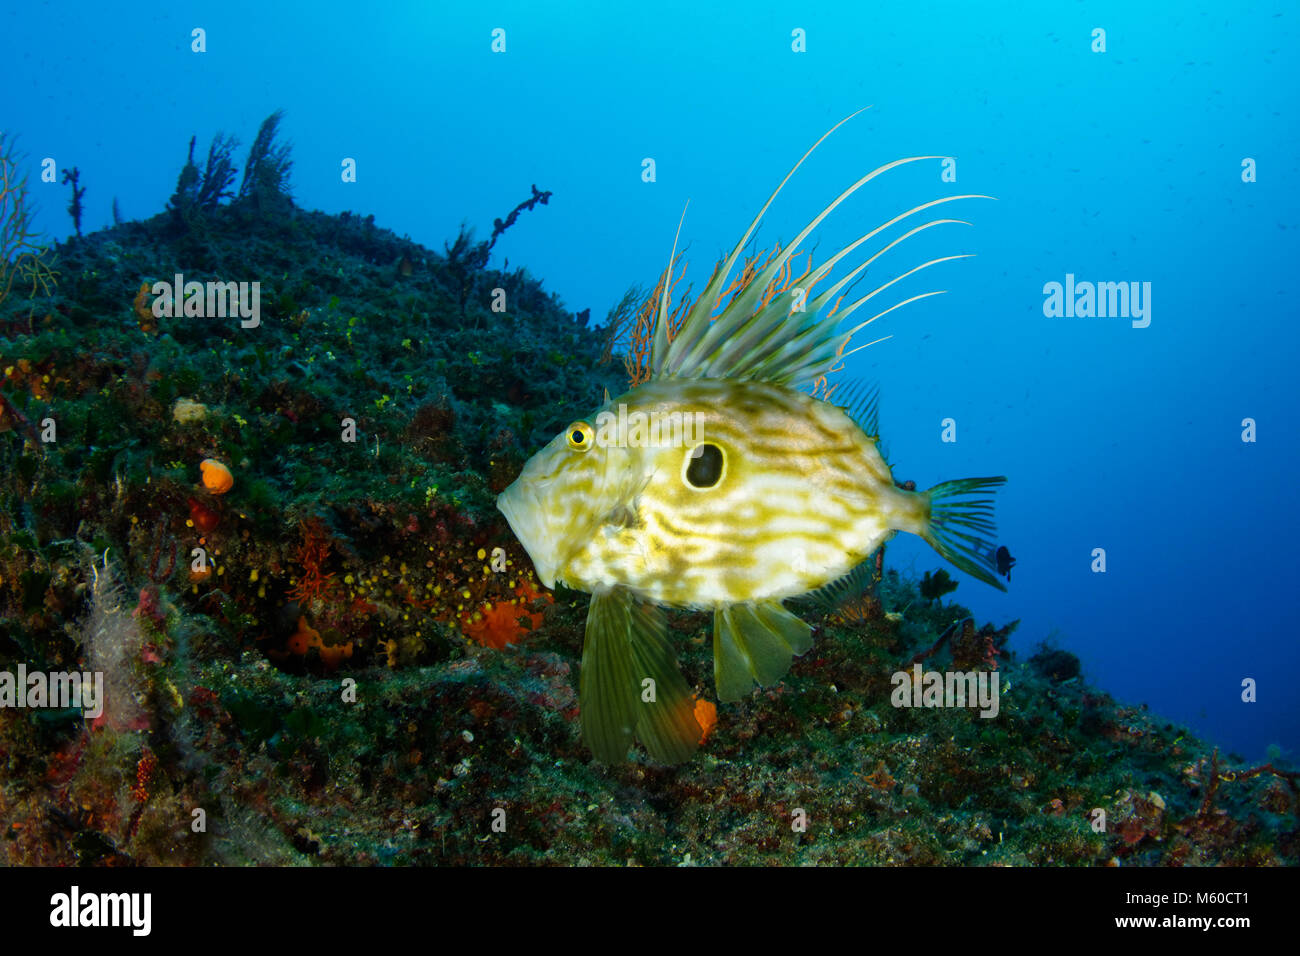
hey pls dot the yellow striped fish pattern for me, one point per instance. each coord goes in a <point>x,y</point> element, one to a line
<point>720,485</point>
<point>802,497</point>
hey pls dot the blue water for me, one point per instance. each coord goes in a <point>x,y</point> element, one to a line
<point>1123,165</point>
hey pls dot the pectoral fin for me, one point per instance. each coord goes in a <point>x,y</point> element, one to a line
<point>755,642</point>
<point>631,685</point>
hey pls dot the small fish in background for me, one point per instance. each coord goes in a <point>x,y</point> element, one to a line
<point>1005,562</point>
<point>761,492</point>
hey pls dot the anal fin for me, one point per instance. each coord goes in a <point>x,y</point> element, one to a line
<point>755,642</point>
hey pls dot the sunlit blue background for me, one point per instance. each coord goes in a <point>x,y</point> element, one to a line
<point>1115,166</point>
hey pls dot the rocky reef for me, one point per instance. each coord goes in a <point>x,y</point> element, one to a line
<point>320,643</point>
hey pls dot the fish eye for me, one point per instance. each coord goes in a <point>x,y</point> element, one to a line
<point>581,436</point>
<point>704,466</point>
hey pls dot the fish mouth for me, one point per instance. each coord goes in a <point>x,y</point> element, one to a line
<point>524,512</point>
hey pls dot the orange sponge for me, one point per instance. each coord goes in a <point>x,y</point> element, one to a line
<point>216,476</point>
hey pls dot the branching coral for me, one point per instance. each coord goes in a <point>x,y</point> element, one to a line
<point>75,208</point>
<point>143,311</point>
<point>619,321</point>
<point>1217,776</point>
<point>314,585</point>
<point>466,258</point>
<point>936,585</point>
<point>498,227</point>
<point>633,333</point>
<point>23,259</point>
<point>203,191</point>
<point>266,171</point>
<point>753,266</point>
<point>218,172</point>
<point>971,647</point>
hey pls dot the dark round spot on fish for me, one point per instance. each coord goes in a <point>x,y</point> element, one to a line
<point>705,468</point>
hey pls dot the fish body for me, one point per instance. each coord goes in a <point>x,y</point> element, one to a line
<point>724,484</point>
<point>802,495</point>
<point>1005,562</point>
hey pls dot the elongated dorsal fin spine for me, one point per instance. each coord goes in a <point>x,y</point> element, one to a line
<point>770,331</point>
<point>660,348</point>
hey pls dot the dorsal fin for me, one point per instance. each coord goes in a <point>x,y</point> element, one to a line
<point>783,340</point>
<point>860,400</point>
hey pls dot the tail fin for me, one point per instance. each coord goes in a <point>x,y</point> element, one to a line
<point>961,527</point>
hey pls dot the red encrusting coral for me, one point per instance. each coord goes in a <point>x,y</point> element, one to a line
<point>499,624</point>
